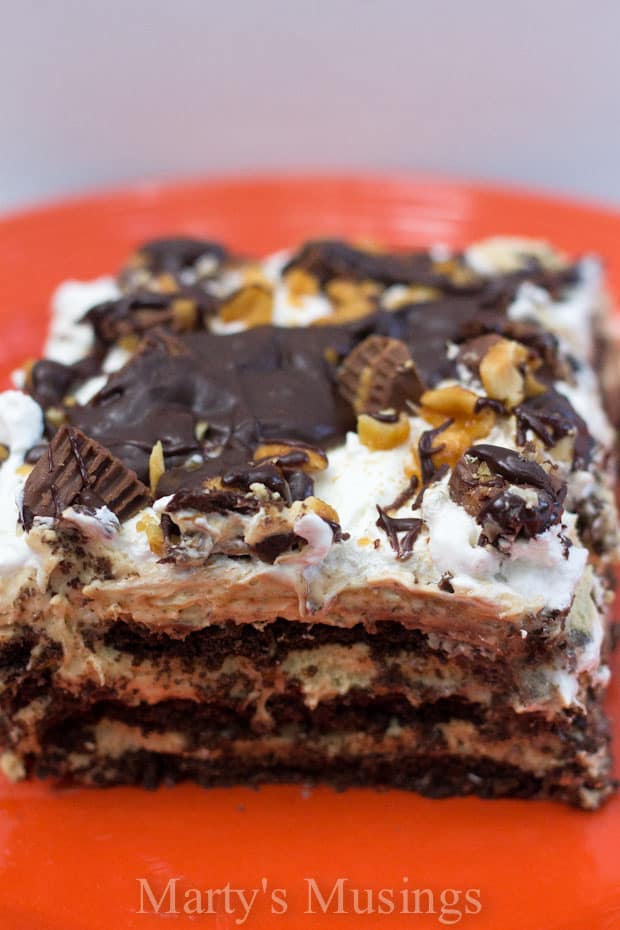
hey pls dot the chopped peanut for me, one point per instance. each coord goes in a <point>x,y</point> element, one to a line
<point>300,284</point>
<point>316,460</point>
<point>55,416</point>
<point>416,294</point>
<point>153,532</point>
<point>166,283</point>
<point>184,314</point>
<point>452,401</point>
<point>157,466</point>
<point>379,434</point>
<point>251,305</point>
<point>501,371</point>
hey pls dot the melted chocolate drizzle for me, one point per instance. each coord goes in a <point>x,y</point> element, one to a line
<point>393,526</point>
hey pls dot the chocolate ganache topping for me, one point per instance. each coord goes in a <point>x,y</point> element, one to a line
<point>262,384</point>
<point>213,399</point>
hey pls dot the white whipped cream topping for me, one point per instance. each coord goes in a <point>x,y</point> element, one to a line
<point>301,312</point>
<point>21,423</point>
<point>69,340</point>
<point>319,536</point>
<point>87,391</point>
<point>357,479</point>
<point>115,359</point>
<point>21,427</point>
<point>585,398</point>
<point>102,524</point>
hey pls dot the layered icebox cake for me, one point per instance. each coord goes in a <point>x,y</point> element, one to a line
<point>341,514</point>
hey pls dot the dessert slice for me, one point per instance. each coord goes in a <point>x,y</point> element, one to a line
<point>336,515</point>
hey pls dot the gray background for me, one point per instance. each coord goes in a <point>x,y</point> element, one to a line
<point>101,93</point>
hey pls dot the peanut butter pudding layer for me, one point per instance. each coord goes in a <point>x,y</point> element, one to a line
<point>339,515</point>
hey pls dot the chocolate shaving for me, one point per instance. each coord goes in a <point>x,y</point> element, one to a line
<point>77,471</point>
<point>392,526</point>
<point>491,404</point>
<point>405,495</point>
<point>426,451</point>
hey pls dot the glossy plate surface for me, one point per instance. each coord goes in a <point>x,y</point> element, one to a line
<point>72,860</point>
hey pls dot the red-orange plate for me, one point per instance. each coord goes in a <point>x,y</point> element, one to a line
<point>72,859</point>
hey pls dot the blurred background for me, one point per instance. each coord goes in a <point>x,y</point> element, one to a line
<point>104,93</point>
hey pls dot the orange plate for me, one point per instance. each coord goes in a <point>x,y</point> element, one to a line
<point>72,859</point>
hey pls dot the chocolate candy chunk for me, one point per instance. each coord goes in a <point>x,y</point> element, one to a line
<point>270,548</point>
<point>265,473</point>
<point>76,470</point>
<point>482,331</point>
<point>426,329</point>
<point>327,259</point>
<point>409,527</point>
<point>379,374</point>
<point>290,484</point>
<point>513,467</point>
<point>136,313</point>
<point>259,386</point>
<point>50,382</point>
<point>510,496</point>
<point>173,256</point>
<point>551,416</point>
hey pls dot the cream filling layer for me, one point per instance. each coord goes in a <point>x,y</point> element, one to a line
<point>539,754</point>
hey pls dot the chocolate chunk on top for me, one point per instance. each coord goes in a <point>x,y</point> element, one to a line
<point>509,496</point>
<point>379,374</point>
<point>77,471</point>
<point>551,417</point>
<point>140,311</point>
<point>327,259</point>
<point>175,254</point>
<point>262,384</point>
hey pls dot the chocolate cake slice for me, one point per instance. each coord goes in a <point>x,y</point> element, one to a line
<point>337,515</point>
